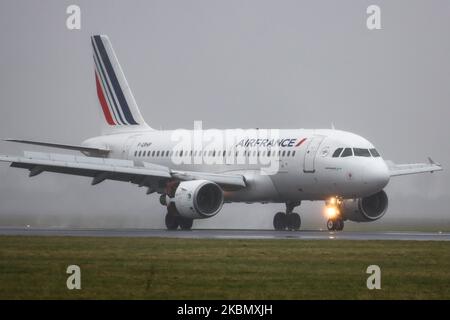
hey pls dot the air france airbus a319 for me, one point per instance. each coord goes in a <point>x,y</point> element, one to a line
<point>197,171</point>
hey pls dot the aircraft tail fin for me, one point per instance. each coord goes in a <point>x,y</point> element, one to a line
<point>119,108</point>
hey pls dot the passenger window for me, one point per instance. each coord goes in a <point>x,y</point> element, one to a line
<point>157,153</point>
<point>374,153</point>
<point>293,153</point>
<point>337,153</point>
<point>283,154</point>
<point>347,153</point>
<point>268,153</point>
<point>135,153</point>
<point>361,152</point>
<point>288,153</point>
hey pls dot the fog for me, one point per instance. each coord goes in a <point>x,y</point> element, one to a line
<point>231,64</point>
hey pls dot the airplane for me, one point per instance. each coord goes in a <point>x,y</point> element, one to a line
<point>194,180</point>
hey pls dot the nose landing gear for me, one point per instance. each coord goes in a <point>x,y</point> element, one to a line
<point>333,211</point>
<point>335,224</point>
<point>289,220</point>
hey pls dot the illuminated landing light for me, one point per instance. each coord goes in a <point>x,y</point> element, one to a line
<point>331,212</point>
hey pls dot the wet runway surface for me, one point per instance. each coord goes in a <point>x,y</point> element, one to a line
<point>231,234</point>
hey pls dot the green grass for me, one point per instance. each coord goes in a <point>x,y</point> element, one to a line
<point>148,268</point>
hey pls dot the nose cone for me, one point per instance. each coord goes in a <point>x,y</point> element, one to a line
<point>376,175</point>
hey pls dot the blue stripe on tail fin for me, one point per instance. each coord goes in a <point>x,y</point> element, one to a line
<point>119,99</point>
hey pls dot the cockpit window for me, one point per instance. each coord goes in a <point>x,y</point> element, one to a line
<point>359,152</point>
<point>374,153</point>
<point>337,152</point>
<point>347,152</point>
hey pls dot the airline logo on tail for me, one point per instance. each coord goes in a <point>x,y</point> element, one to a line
<point>110,93</point>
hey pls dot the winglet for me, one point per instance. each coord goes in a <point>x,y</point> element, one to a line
<point>431,161</point>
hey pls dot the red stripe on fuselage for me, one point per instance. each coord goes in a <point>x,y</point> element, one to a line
<point>101,98</point>
<point>300,142</point>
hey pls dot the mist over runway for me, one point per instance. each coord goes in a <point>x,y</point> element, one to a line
<point>229,234</point>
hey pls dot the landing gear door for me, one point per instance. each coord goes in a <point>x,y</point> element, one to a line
<point>310,154</point>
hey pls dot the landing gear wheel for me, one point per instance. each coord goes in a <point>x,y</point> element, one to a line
<point>279,221</point>
<point>185,223</point>
<point>293,221</point>
<point>339,224</point>
<point>331,225</point>
<point>171,221</point>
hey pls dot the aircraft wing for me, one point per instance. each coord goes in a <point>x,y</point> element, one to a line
<point>146,174</point>
<point>413,168</point>
<point>94,151</point>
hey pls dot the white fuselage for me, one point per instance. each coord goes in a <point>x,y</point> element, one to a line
<point>305,166</point>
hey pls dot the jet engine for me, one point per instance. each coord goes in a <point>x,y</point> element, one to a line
<point>365,209</point>
<point>197,199</point>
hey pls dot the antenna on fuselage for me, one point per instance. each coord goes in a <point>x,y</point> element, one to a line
<point>332,126</point>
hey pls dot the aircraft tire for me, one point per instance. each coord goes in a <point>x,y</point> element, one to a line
<point>293,221</point>
<point>172,222</point>
<point>185,223</point>
<point>331,226</point>
<point>279,221</point>
<point>339,224</point>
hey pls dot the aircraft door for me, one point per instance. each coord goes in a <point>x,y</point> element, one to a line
<point>128,147</point>
<point>310,154</point>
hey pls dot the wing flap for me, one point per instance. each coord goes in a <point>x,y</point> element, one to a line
<point>112,169</point>
<point>224,179</point>
<point>93,151</point>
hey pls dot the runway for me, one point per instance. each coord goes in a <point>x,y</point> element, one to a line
<point>229,234</point>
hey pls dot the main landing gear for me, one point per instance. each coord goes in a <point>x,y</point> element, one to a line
<point>289,220</point>
<point>174,220</point>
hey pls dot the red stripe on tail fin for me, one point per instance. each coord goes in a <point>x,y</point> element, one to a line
<point>101,98</point>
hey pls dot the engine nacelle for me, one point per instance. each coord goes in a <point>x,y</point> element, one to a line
<point>198,199</point>
<point>365,209</point>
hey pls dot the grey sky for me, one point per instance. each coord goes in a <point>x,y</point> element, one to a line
<point>280,64</point>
